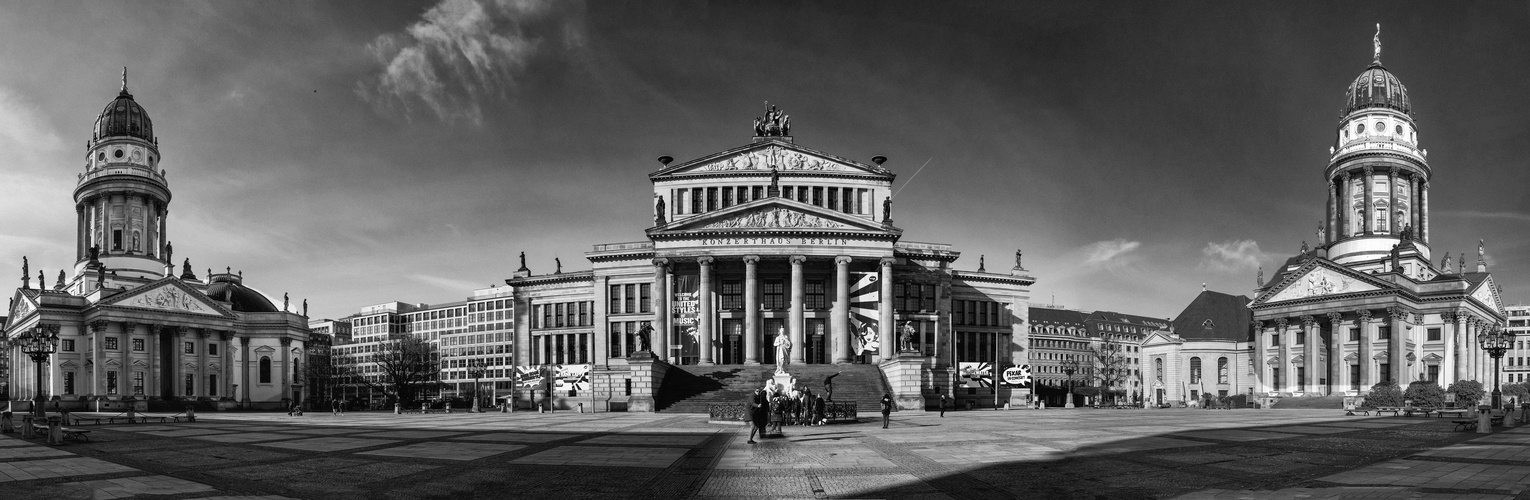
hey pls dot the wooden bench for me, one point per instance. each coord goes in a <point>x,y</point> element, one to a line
<point>1349,412</point>
<point>162,418</point>
<point>1408,412</point>
<point>69,432</point>
<point>1443,411</point>
<point>110,418</point>
<point>1394,411</point>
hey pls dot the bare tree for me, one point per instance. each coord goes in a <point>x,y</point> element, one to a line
<point>1109,368</point>
<point>402,367</point>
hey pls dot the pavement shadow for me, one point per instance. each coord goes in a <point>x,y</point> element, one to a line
<point>1171,463</point>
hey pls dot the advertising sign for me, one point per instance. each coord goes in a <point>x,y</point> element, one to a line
<point>571,377</point>
<point>1018,376</point>
<point>974,374</point>
<point>865,316</point>
<point>685,307</point>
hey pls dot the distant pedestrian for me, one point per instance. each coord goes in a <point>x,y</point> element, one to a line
<point>943,400</point>
<point>335,408</point>
<point>887,405</point>
<point>828,387</point>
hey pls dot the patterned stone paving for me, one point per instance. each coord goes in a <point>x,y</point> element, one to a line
<point>1077,453</point>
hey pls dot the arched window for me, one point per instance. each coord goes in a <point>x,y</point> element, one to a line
<point>265,369</point>
<point>1195,370</point>
<point>1222,371</point>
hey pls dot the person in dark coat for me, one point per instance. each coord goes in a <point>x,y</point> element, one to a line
<point>759,413</point>
<point>887,406</point>
<point>943,401</point>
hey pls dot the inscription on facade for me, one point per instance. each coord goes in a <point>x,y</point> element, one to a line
<point>774,240</point>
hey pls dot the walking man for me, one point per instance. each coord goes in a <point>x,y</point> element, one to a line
<point>334,407</point>
<point>943,400</point>
<point>759,413</point>
<point>887,404</point>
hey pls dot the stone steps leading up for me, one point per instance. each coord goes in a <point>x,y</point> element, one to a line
<point>692,389</point>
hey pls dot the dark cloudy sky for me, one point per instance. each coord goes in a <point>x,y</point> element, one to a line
<point>363,152</point>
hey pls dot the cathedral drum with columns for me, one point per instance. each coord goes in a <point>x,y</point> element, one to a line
<point>760,252</point>
<point>1367,305</point>
<point>131,332</point>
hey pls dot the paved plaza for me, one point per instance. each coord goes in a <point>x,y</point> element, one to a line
<point>1081,453</point>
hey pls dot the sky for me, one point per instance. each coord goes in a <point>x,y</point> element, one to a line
<point>356,153</point>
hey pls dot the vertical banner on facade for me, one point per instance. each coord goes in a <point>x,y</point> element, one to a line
<point>976,374</point>
<point>686,305</point>
<point>865,304</point>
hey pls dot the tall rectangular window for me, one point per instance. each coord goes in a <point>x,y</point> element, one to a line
<point>614,331</point>
<point>615,298</point>
<point>584,314</point>
<point>815,295</point>
<point>1386,372</point>
<point>696,200</point>
<point>732,295</point>
<point>727,196</point>
<point>68,345</point>
<point>212,385</point>
<point>212,349</point>
<point>1434,334</point>
<point>834,199</point>
<point>570,315</point>
<point>68,382</point>
<point>629,304</point>
<point>1274,340</point>
<point>138,383</point>
<point>959,312</point>
<point>774,296</point>
<point>189,347</point>
<point>111,383</point>
<point>1354,334</point>
<point>557,315</point>
<point>817,196</point>
<point>191,384</point>
<point>111,343</point>
<point>1434,373</point>
<point>645,297</point>
<point>927,298</point>
<point>137,345</point>
<point>1384,332</point>
<point>711,199</point>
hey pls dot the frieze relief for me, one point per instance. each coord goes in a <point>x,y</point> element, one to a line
<point>1320,282</point>
<point>773,157</point>
<point>23,307</point>
<point>169,298</point>
<point>775,218</point>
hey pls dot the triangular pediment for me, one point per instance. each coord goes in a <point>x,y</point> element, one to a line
<point>1159,337</point>
<point>169,294</point>
<point>22,305</point>
<point>1487,293</point>
<point>1316,278</point>
<point>770,215</point>
<point>265,349</point>
<point>762,157</point>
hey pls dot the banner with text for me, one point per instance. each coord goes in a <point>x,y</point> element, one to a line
<point>865,315</point>
<point>685,306</point>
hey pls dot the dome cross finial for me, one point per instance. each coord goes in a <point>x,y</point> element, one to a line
<point>1377,42</point>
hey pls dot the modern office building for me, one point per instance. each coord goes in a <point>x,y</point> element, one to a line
<point>129,328</point>
<point>1105,345</point>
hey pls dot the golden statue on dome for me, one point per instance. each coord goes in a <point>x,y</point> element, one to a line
<point>1377,42</point>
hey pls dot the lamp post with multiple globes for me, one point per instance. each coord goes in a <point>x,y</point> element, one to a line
<point>40,342</point>
<point>475,369</point>
<point>1495,342</point>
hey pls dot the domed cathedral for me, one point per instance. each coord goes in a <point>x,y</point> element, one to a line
<point>1366,304</point>
<point>768,255</point>
<point>131,331</point>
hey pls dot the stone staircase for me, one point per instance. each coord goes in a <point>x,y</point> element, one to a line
<point>691,388</point>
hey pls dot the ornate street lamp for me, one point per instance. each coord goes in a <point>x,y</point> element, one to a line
<point>475,369</point>
<point>1069,367</point>
<point>39,342</point>
<point>1495,342</point>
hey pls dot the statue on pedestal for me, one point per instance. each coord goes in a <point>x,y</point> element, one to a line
<point>642,338</point>
<point>906,337</point>
<point>783,350</point>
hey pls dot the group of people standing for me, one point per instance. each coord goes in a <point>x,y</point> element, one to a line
<point>769,410</point>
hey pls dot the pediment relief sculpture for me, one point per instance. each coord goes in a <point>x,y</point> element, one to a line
<point>775,218</point>
<point>169,298</point>
<point>773,157</point>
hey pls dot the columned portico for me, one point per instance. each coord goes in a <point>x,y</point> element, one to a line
<point>794,327</point>
<point>660,337</point>
<point>704,330</point>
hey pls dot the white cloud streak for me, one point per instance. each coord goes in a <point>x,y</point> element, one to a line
<point>1232,256</point>
<point>451,284</point>
<point>1110,252</point>
<point>463,52</point>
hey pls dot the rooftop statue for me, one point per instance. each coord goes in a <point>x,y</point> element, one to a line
<point>773,124</point>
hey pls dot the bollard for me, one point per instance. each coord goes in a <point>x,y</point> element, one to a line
<point>542,408</point>
<point>191,413</point>
<point>448,406</point>
<point>55,430</point>
<point>26,427</point>
<point>398,409</point>
<point>505,408</point>
<point>6,427</point>
<point>1484,423</point>
<point>581,407</point>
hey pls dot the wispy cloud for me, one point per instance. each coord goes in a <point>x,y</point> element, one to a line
<point>1232,256</point>
<point>1472,214</point>
<point>1109,252</point>
<point>462,52</point>
<point>452,284</point>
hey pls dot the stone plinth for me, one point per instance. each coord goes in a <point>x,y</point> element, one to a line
<point>905,374</point>
<point>647,376</point>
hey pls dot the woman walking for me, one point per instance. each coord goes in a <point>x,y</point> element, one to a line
<point>759,413</point>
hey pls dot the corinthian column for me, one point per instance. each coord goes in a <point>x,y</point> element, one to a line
<point>1286,366</point>
<point>1452,364</point>
<point>751,310</point>
<point>1367,347</point>
<point>1338,376</point>
<point>795,329</point>
<point>839,324</point>
<point>286,368</point>
<point>1396,355</point>
<point>1367,213</point>
<point>1344,206</point>
<point>704,316</point>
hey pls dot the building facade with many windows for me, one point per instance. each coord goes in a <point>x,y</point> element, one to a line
<point>770,240</point>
